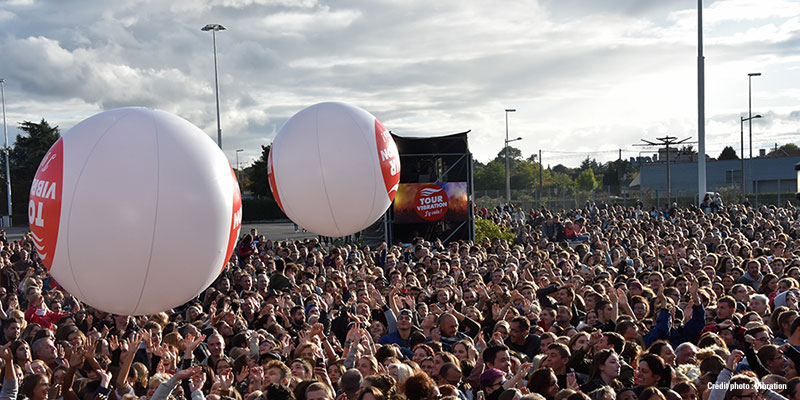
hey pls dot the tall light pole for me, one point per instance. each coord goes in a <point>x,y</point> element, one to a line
<point>508,174</point>
<point>238,167</point>
<point>701,110</point>
<point>750,117</point>
<point>8,165</point>
<point>741,136</point>
<point>214,28</point>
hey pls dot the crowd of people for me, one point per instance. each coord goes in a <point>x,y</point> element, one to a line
<point>603,302</point>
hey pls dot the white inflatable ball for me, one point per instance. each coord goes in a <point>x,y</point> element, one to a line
<point>134,211</point>
<point>333,169</point>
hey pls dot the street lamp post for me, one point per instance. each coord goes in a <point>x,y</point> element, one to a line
<point>508,173</point>
<point>214,28</point>
<point>741,136</point>
<point>238,166</point>
<point>750,117</point>
<point>8,165</point>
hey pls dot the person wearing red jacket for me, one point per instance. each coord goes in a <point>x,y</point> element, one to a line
<point>40,314</point>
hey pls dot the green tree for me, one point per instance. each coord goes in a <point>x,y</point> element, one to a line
<point>525,175</point>
<point>687,149</point>
<point>561,169</point>
<point>586,180</point>
<point>28,151</point>
<point>488,229</point>
<point>255,176</point>
<point>513,154</point>
<point>590,164</point>
<point>789,149</point>
<point>491,176</point>
<point>562,181</point>
<point>728,153</point>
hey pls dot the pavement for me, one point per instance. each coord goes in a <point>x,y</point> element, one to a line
<point>280,230</point>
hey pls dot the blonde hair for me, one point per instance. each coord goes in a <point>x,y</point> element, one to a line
<point>174,339</point>
<point>162,319</point>
<point>303,346</point>
<point>141,373</point>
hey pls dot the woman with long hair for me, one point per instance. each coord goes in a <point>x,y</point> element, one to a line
<point>367,365</point>
<point>421,352</point>
<point>769,285</point>
<point>22,353</point>
<point>419,387</point>
<point>544,382</point>
<point>652,371</point>
<point>35,387</point>
<point>663,349</point>
<point>605,370</point>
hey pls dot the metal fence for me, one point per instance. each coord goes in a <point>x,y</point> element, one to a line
<point>553,198</point>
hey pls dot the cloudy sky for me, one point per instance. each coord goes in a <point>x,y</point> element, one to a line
<point>587,77</point>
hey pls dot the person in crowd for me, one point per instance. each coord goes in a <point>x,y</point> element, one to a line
<point>612,303</point>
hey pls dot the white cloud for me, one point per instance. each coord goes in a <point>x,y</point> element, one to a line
<point>585,75</point>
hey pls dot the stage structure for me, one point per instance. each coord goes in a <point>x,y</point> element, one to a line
<point>435,197</point>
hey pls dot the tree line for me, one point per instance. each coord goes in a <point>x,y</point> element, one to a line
<point>590,175</point>
<point>37,137</point>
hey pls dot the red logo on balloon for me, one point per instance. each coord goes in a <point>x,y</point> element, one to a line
<point>236,220</point>
<point>44,203</point>
<point>431,202</point>
<point>389,159</point>
<point>271,178</point>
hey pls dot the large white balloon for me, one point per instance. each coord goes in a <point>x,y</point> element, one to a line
<point>135,211</point>
<point>334,169</point>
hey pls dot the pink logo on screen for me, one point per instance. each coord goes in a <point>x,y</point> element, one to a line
<point>44,203</point>
<point>389,159</point>
<point>430,202</point>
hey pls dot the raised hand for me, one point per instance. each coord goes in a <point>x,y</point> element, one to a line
<point>76,359</point>
<point>622,297</point>
<point>480,344</point>
<point>226,380</point>
<point>243,374</point>
<point>91,348</point>
<point>257,374</point>
<point>496,311</point>
<point>687,312</point>
<point>113,342</point>
<point>661,299</point>
<point>162,351</point>
<point>198,380</point>
<point>497,338</point>
<point>188,372</point>
<point>318,330</point>
<point>734,359</point>
<point>572,381</point>
<point>190,342</point>
<point>595,338</point>
<point>694,287</point>
<point>105,377</point>
<point>303,336</point>
<point>612,295</point>
<point>7,355</point>
<point>132,343</point>
<point>374,294</point>
<point>149,340</point>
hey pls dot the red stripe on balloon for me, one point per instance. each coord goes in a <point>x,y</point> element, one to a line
<point>44,203</point>
<point>236,220</point>
<point>388,158</point>
<point>271,179</point>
